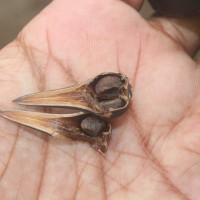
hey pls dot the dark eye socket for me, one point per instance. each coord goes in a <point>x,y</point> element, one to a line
<point>93,126</point>
<point>108,87</point>
<point>110,93</point>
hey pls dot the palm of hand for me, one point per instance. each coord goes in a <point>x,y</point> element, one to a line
<point>154,152</point>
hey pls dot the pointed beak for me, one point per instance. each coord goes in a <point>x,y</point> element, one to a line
<point>61,126</point>
<point>66,97</point>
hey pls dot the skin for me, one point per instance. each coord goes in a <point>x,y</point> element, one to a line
<point>154,152</point>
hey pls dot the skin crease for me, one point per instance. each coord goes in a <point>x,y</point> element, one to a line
<point>154,152</point>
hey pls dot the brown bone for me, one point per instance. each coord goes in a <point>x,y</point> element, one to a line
<point>65,126</point>
<point>90,96</point>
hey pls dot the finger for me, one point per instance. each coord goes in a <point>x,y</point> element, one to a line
<point>137,4</point>
<point>184,31</point>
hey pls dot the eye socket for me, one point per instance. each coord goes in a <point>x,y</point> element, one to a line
<point>112,104</point>
<point>93,126</point>
<point>110,93</point>
<point>108,87</point>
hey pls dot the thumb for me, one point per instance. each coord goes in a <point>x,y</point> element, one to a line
<point>184,31</point>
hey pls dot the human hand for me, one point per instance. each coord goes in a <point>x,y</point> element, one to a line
<point>154,151</point>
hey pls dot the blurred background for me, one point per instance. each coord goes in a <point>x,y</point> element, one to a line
<point>14,15</point>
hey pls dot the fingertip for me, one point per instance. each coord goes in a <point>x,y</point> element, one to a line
<point>137,4</point>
